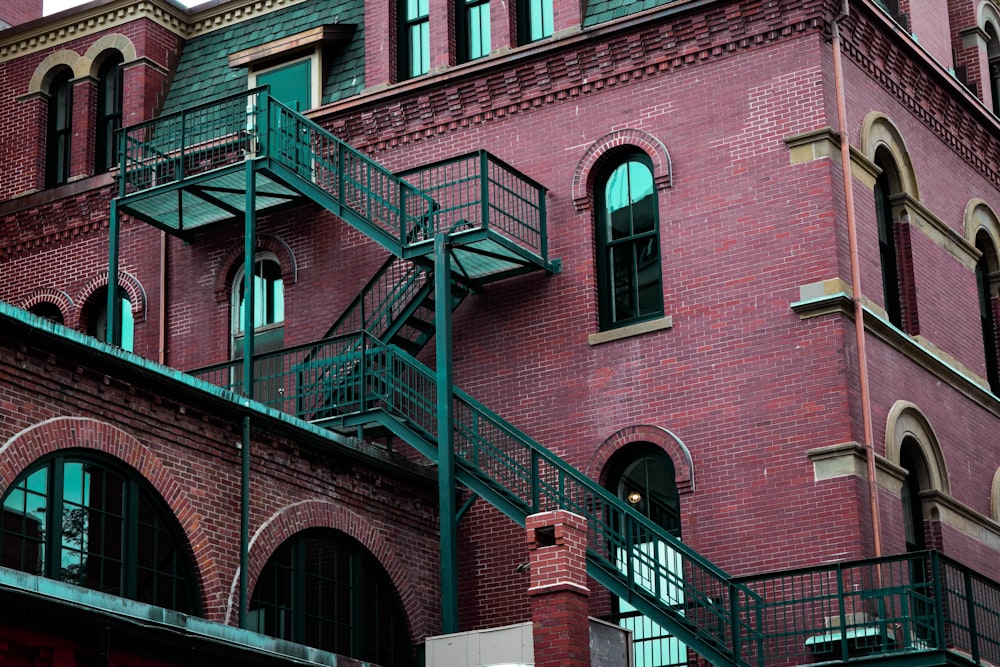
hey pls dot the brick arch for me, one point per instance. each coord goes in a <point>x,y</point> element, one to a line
<point>57,298</point>
<point>878,131</point>
<point>61,433</point>
<point>317,513</point>
<point>42,76</point>
<point>98,51</point>
<point>905,420</point>
<point>233,261</point>
<point>609,144</point>
<point>656,435</point>
<point>126,281</point>
<point>979,216</point>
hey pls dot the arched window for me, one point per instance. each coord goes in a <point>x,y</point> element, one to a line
<point>97,318</point>
<point>109,111</point>
<point>268,306</point>
<point>323,589</point>
<point>630,287</point>
<point>993,62</point>
<point>643,476</point>
<point>48,310</point>
<point>886,185</point>
<point>60,129</point>
<point>987,268</point>
<point>89,521</point>
<point>912,460</point>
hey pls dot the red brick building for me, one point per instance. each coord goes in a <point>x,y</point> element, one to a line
<point>607,259</point>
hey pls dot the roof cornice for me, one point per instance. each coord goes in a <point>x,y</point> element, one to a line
<point>95,17</point>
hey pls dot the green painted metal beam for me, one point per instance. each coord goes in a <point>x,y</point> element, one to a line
<point>113,321</point>
<point>249,257</point>
<point>446,436</point>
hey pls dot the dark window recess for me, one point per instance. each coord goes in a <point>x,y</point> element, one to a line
<point>109,113</point>
<point>60,130</point>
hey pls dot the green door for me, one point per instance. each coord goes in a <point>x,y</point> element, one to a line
<point>290,84</point>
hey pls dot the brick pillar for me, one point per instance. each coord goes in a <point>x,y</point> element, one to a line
<point>441,14</point>
<point>144,86</point>
<point>906,278</point>
<point>567,16</point>
<point>380,43</point>
<point>81,150</point>
<point>557,545</point>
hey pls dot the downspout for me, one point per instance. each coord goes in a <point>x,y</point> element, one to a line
<point>852,239</point>
<point>162,352</point>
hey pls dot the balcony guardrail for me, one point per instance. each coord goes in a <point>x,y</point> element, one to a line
<point>897,604</point>
<point>632,556</point>
<point>472,192</point>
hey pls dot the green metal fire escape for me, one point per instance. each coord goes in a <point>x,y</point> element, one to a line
<point>451,228</point>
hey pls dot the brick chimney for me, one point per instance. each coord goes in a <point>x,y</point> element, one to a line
<point>557,545</point>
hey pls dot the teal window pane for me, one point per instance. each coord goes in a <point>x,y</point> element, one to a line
<point>414,46</point>
<point>25,512</point>
<point>268,296</point>
<point>539,19</point>
<point>71,519</point>
<point>629,275</point>
<point>474,39</point>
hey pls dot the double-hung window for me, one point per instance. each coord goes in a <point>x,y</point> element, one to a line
<point>414,38</point>
<point>534,20</point>
<point>630,285</point>
<point>473,29</point>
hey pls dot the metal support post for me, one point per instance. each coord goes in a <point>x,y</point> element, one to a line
<point>446,436</point>
<point>112,333</point>
<point>249,255</point>
<point>244,520</point>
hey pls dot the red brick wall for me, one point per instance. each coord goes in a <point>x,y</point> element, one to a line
<point>746,384</point>
<point>23,149</point>
<point>60,397</point>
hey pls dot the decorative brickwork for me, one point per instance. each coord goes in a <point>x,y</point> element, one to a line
<point>586,170</point>
<point>233,262</point>
<point>126,282</point>
<point>661,437</point>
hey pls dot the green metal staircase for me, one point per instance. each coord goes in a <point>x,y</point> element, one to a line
<point>247,154</point>
<point>686,594</point>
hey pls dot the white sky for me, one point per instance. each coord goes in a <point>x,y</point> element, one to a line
<point>53,6</point>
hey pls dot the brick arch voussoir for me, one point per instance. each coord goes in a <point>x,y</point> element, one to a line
<point>317,513</point>
<point>595,154</point>
<point>126,281</point>
<point>661,437</point>
<point>61,433</point>
<point>58,298</point>
<point>234,260</point>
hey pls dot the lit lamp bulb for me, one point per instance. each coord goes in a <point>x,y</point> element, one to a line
<point>634,497</point>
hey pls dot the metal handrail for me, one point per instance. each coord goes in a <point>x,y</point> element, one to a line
<point>354,374</point>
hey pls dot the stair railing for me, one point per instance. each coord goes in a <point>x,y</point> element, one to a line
<point>685,593</point>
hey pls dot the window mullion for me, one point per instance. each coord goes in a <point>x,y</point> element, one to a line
<point>130,536</point>
<point>298,602</point>
<point>55,510</point>
<point>357,604</point>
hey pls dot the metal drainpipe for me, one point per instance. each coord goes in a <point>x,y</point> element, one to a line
<point>162,353</point>
<point>852,238</point>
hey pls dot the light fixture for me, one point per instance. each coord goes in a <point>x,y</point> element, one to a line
<point>634,497</point>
